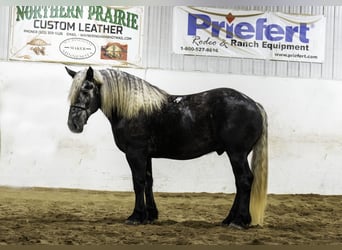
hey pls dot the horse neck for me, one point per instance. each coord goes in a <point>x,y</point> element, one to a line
<point>138,97</point>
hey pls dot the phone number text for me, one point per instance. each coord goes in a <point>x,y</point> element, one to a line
<point>199,49</point>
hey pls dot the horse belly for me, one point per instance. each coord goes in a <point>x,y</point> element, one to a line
<point>185,143</point>
<point>182,152</point>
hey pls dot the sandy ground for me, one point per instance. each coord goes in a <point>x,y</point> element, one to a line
<point>79,217</point>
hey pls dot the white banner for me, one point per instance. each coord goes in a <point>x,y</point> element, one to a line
<point>77,34</point>
<point>248,34</point>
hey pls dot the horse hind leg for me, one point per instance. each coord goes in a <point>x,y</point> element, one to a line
<point>239,215</point>
<point>151,207</point>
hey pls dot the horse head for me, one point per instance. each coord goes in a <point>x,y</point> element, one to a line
<point>84,98</point>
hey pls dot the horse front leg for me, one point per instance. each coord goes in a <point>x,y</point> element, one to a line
<point>152,211</point>
<point>138,164</point>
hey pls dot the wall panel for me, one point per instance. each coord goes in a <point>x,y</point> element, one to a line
<point>259,67</point>
<point>337,70</point>
<point>154,36</point>
<point>304,70</point>
<point>327,66</point>
<point>4,31</point>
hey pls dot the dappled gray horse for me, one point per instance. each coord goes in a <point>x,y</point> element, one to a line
<point>149,123</point>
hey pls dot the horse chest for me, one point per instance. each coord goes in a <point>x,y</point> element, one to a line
<point>130,134</point>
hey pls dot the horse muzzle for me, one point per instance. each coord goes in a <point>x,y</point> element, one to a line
<point>75,127</point>
<point>77,119</point>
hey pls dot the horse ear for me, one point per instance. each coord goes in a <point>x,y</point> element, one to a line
<point>70,72</point>
<point>90,74</point>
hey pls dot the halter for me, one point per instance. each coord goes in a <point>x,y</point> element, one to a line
<point>78,106</point>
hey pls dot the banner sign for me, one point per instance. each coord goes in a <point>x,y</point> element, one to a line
<point>248,34</point>
<point>77,34</point>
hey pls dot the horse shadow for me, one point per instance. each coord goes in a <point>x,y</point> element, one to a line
<point>189,223</point>
<point>186,223</point>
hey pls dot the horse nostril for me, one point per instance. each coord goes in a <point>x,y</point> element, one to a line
<point>71,125</point>
<point>74,127</point>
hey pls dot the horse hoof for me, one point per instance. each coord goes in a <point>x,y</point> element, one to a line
<point>236,226</point>
<point>151,222</point>
<point>132,222</point>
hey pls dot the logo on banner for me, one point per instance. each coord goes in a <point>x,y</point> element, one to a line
<point>77,48</point>
<point>261,30</point>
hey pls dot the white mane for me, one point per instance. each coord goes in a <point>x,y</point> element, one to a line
<point>122,92</point>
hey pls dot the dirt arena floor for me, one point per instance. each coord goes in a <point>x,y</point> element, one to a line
<point>79,217</point>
